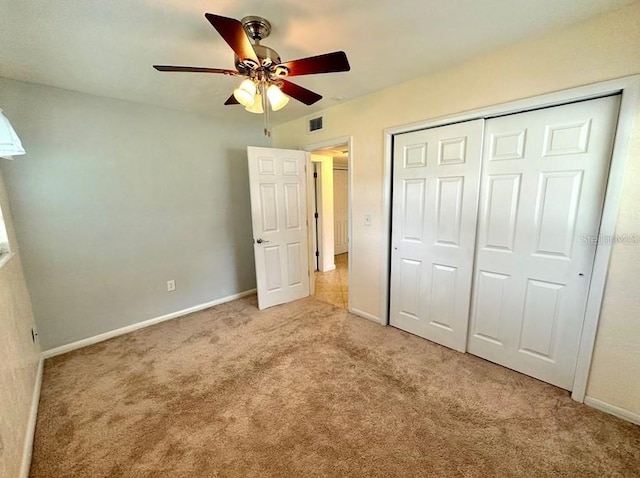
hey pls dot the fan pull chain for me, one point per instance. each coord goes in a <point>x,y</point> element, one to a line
<point>265,109</point>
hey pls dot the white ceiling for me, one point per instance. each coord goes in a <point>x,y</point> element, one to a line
<point>340,155</point>
<point>106,48</point>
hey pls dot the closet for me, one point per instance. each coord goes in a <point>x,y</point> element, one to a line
<point>494,231</point>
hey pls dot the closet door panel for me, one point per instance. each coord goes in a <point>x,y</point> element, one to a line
<point>435,194</point>
<point>543,183</point>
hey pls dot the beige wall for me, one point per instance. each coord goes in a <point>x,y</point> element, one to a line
<point>19,356</point>
<point>601,49</point>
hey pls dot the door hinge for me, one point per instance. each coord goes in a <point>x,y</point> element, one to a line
<point>317,253</point>
<point>315,215</point>
<point>315,174</point>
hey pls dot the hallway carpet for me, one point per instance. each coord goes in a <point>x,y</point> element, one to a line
<point>304,390</point>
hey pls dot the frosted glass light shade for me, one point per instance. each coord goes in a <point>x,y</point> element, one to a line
<point>245,93</point>
<point>256,107</point>
<point>277,98</point>
<point>10,144</point>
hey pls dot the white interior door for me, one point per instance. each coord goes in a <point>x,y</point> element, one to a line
<point>435,197</point>
<point>543,184</point>
<point>278,186</point>
<point>340,208</point>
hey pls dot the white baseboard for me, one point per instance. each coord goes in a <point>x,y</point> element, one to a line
<point>329,268</point>
<point>140,325</point>
<point>31,423</point>
<point>613,410</point>
<point>365,315</point>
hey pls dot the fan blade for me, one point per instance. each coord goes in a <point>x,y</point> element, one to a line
<point>231,101</point>
<point>232,31</point>
<point>301,94</point>
<point>194,69</point>
<point>327,63</point>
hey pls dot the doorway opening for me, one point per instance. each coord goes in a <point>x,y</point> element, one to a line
<point>330,223</point>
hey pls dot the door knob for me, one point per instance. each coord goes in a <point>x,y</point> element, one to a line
<point>260,241</point>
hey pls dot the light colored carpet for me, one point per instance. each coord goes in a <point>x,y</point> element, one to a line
<point>307,389</point>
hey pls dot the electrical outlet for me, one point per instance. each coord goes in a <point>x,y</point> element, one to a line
<point>171,285</point>
<point>34,334</point>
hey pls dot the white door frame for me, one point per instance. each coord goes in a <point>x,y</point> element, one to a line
<point>311,255</point>
<point>317,168</point>
<point>629,87</point>
<point>325,249</point>
<point>330,143</point>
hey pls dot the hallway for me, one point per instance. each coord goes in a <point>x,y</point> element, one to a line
<point>333,286</point>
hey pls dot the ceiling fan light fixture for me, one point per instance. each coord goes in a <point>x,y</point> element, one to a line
<point>246,93</point>
<point>277,99</point>
<point>256,107</point>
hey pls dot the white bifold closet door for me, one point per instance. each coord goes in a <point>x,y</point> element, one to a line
<point>542,187</point>
<point>435,198</point>
<point>543,184</point>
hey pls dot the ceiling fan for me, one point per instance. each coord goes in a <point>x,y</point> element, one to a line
<point>264,86</point>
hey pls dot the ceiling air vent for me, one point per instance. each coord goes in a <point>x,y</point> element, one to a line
<point>315,124</point>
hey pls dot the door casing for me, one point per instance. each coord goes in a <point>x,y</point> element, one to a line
<point>629,88</point>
